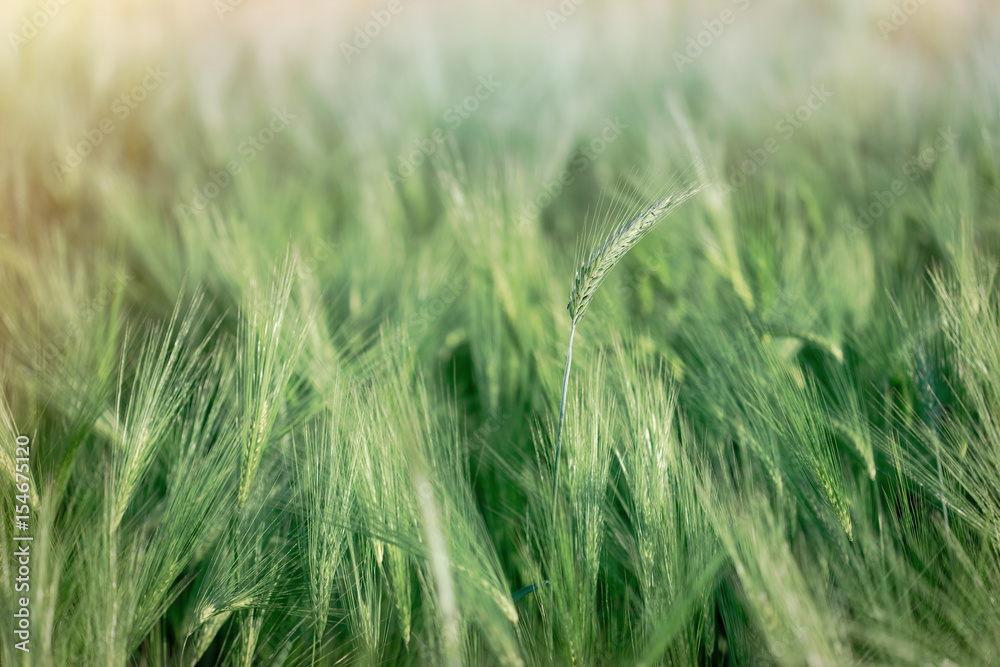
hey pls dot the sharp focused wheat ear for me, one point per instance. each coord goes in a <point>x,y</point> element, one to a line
<point>619,241</point>
<point>593,271</point>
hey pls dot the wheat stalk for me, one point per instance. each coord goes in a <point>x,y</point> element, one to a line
<point>596,268</point>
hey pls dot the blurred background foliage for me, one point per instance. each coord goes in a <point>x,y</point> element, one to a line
<point>283,312</point>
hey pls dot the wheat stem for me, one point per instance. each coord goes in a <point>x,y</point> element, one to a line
<point>562,407</point>
<point>590,276</point>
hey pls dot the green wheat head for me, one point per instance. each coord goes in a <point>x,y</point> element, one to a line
<point>592,273</point>
<point>596,268</point>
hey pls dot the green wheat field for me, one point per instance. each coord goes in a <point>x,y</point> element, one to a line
<point>568,332</point>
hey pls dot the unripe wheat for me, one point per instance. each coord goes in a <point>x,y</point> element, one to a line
<point>593,271</point>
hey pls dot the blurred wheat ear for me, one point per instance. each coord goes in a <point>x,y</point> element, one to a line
<point>595,269</point>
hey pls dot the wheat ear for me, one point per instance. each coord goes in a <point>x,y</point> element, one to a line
<point>593,271</point>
